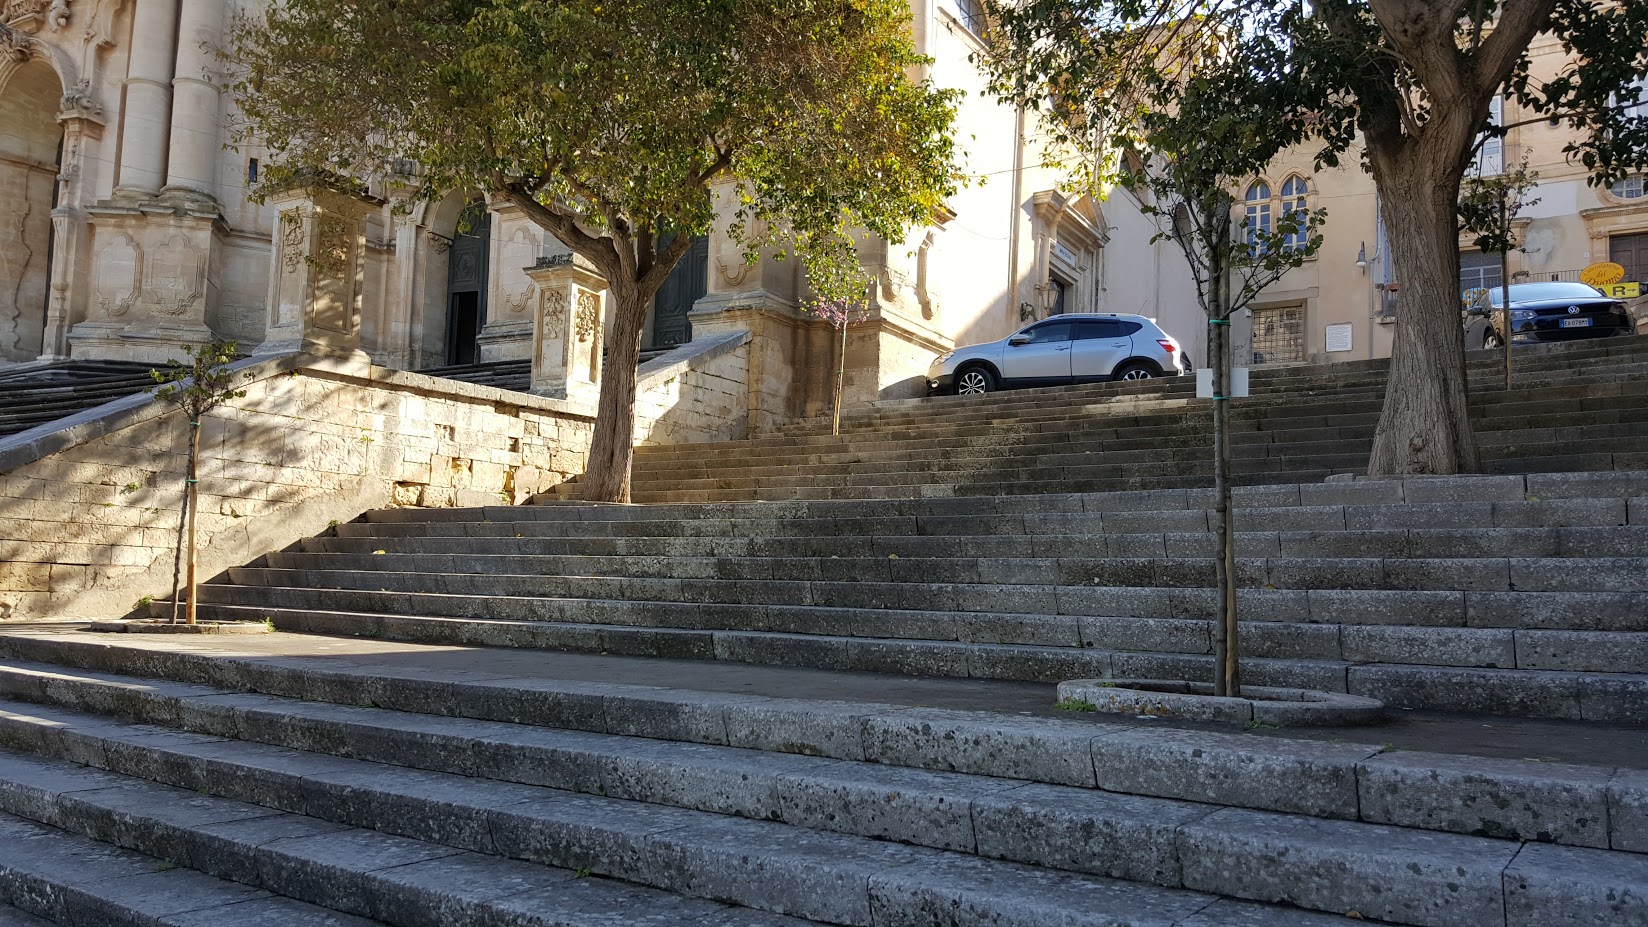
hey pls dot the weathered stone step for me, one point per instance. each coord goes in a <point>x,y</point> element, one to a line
<point>69,879</point>
<point>1623,541</point>
<point>1423,490</point>
<point>1038,412</point>
<point>1543,513</point>
<point>1580,806</point>
<point>340,856</point>
<point>1527,693</point>
<point>1448,881</point>
<point>553,576</point>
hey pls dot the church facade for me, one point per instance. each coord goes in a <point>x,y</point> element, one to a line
<point>126,230</point>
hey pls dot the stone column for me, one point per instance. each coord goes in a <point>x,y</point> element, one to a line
<point>147,117</point>
<point>82,121</point>
<point>191,165</point>
<point>567,328</point>
<point>315,281</point>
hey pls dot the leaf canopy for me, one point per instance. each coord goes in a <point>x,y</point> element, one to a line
<point>610,121</point>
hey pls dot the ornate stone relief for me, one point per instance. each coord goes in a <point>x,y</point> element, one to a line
<point>332,249</point>
<point>291,241</point>
<point>517,291</point>
<point>589,314</point>
<point>439,242</point>
<point>555,312</point>
<point>116,276</point>
<point>79,102</point>
<point>174,277</point>
<point>14,45</point>
<point>30,15</point>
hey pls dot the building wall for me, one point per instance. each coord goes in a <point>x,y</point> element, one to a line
<point>1567,229</point>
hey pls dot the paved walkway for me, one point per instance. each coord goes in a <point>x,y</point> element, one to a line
<point>1477,735</point>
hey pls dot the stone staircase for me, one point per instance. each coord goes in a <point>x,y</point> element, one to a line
<point>1581,406</point>
<point>37,395</point>
<point>463,791</point>
<point>511,375</point>
<point>1514,595</point>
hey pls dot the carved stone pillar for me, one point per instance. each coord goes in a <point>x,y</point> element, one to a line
<point>567,328</point>
<point>82,121</point>
<point>315,281</point>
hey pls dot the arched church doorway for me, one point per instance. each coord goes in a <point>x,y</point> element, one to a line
<point>31,143</point>
<point>466,283</point>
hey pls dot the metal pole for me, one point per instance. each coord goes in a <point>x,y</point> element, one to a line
<point>1505,282</point>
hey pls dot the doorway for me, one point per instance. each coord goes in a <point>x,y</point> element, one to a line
<point>466,284</point>
<point>686,285</point>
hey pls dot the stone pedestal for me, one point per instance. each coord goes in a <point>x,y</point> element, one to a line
<point>315,281</point>
<point>153,282</point>
<point>568,326</point>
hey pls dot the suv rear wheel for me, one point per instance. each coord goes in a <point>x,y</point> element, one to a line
<point>1135,371</point>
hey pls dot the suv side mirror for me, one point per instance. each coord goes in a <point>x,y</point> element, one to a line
<point>1019,339</point>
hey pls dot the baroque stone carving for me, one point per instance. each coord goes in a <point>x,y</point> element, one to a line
<point>515,290</point>
<point>589,314</point>
<point>439,242</point>
<point>14,45</point>
<point>555,312</point>
<point>291,241</point>
<point>29,15</point>
<point>78,101</point>
<point>117,280</point>
<point>174,277</point>
<point>332,249</point>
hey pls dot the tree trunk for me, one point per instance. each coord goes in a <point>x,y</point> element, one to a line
<point>612,447</point>
<point>177,554</point>
<point>1425,426</point>
<point>840,379</point>
<point>193,503</point>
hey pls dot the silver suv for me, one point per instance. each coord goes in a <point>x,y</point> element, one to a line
<point>1073,348</point>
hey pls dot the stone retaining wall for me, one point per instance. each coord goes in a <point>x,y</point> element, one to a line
<point>89,510</point>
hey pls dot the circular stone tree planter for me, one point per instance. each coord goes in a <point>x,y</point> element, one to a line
<point>1161,698</point>
<point>161,626</point>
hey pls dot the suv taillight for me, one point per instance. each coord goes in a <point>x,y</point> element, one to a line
<point>1167,346</point>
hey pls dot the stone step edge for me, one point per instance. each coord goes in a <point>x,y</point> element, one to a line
<point>371,875</point>
<point>1411,574</point>
<point>1612,697</point>
<point>53,876</point>
<point>815,875</point>
<point>1396,491</point>
<point>1330,780</point>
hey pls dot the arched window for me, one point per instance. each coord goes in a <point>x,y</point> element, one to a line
<point>1296,199</point>
<point>1258,212</point>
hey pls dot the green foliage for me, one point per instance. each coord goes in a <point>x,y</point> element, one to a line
<point>1178,101</point>
<point>1488,204</point>
<point>610,122</point>
<point>202,384</point>
<point>1076,704</point>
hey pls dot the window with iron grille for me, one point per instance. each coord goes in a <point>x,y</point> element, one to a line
<point>1631,188</point>
<point>1478,271</point>
<point>1279,335</point>
<point>970,13</point>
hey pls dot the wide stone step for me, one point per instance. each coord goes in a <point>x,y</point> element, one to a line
<point>642,632</point>
<point>883,793</point>
<point>447,825</point>
<point>58,877</point>
<point>1562,392</point>
<point>527,575</point>
<point>1625,541</point>
<point>1543,513</point>
<point>368,869</point>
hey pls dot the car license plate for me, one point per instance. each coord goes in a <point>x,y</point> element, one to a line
<point>1576,323</point>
